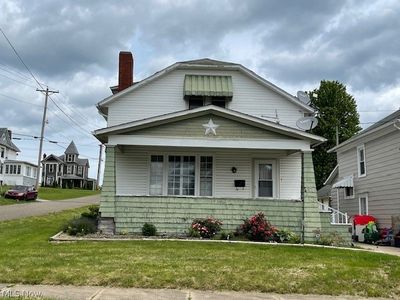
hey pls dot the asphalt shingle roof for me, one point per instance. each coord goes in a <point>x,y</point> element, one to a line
<point>6,141</point>
<point>71,149</point>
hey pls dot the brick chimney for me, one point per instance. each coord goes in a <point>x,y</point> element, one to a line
<point>9,134</point>
<point>125,75</point>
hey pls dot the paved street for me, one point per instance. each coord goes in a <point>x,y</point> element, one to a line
<point>39,208</point>
<point>96,292</point>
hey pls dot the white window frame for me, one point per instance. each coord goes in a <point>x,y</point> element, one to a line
<point>350,196</point>
<point>70,170</point>
<point>274,164</point>
<point>163,176</point>
<point>80,170</point>
<point>197,173</point>
<point>366,203</point>
<point>181,175</point>
<point>28,171</point>
<point>361,147</point>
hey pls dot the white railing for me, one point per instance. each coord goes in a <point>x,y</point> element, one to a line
<point>337,217</point>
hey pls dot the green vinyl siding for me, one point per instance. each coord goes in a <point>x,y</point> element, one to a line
<point>194,128</point>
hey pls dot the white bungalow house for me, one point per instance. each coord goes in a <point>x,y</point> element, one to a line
<point>206,138</point>
<point>13,171</point>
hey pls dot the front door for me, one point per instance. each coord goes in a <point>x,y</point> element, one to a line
<point>265,173</point>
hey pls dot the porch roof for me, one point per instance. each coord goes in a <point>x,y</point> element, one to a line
<point>345,182</point>
<point>104,134</point>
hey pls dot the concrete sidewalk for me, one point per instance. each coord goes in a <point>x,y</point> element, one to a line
<point>95,293</point>
<point>39,208</point>
<point>379,249</point>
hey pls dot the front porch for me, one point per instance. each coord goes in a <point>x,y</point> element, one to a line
<point>127,203</point>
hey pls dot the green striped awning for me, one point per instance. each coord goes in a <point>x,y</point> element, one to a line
<point>207,85</point>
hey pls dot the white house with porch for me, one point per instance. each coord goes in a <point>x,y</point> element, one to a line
<point>207,138</point>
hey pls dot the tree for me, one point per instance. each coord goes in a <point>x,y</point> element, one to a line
<point>336,109</point>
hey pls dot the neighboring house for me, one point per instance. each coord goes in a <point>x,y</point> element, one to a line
<point>325,193</point>
<point>13,171</point>
<point>368,178</point>
<point>206,138</point>
<point>67,170</point>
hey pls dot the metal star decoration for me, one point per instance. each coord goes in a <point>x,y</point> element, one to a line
<point>211,128</point>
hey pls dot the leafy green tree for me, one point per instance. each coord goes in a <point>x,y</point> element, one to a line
<point>338,108</point>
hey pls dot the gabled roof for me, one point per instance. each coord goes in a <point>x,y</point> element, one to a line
<point>207,61</point>
<point>55,157</point>
<point>202,64</point>
<point>6,141</point>
<point>71,149</point>
<point>383,123</point>
<point>102,134</point>
<point>332,176</point>
<point>82,161</point>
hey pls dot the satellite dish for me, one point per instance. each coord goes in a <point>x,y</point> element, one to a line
<point>303,97</point>
<point>307,123</point>
<point>397,123</point>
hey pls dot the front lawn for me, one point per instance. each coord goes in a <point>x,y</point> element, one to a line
<point>4,201</point>
<point>48,193</point>
<point>28,257</point>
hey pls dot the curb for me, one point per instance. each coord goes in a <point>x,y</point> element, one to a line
<point>57,238</point>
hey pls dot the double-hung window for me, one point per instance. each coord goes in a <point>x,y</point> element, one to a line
<point>181,175</point>
<point>206,175</point>
<point>363,204</point>
<point>362,168</point>
<point>156,174</point>
<point>265,179</point>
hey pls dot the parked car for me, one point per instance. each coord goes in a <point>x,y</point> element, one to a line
<point>21,192</point>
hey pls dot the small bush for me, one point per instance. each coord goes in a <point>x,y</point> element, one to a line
<point>331,239</point>
<point>285,236</point>
<point>93,212</point>
<point>149,229</point>
<point>205,227</point>
<point>257,228</point>
<point>80,226</point>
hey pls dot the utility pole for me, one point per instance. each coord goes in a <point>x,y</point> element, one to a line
<point>337,135</point>
<point>46,92</point>
<point>98,166</point>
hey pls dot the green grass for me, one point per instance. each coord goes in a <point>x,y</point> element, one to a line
<point>4,201</point>
<point>48,193</point>
<point>27,257</point>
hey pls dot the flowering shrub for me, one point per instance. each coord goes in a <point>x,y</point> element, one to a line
<point>205,227</point>
<point>257,228</point>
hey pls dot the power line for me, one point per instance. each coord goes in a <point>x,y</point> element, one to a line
<point>41,86</point>
<point>17,81</point>
<point>19,100</point>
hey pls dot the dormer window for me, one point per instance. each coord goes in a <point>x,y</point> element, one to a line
<point>70,158</point>
<point>2,152</point>
<point>218,101</point>
<point>195,102</point>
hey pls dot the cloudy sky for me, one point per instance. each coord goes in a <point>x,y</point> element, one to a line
<point>72,46</point>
